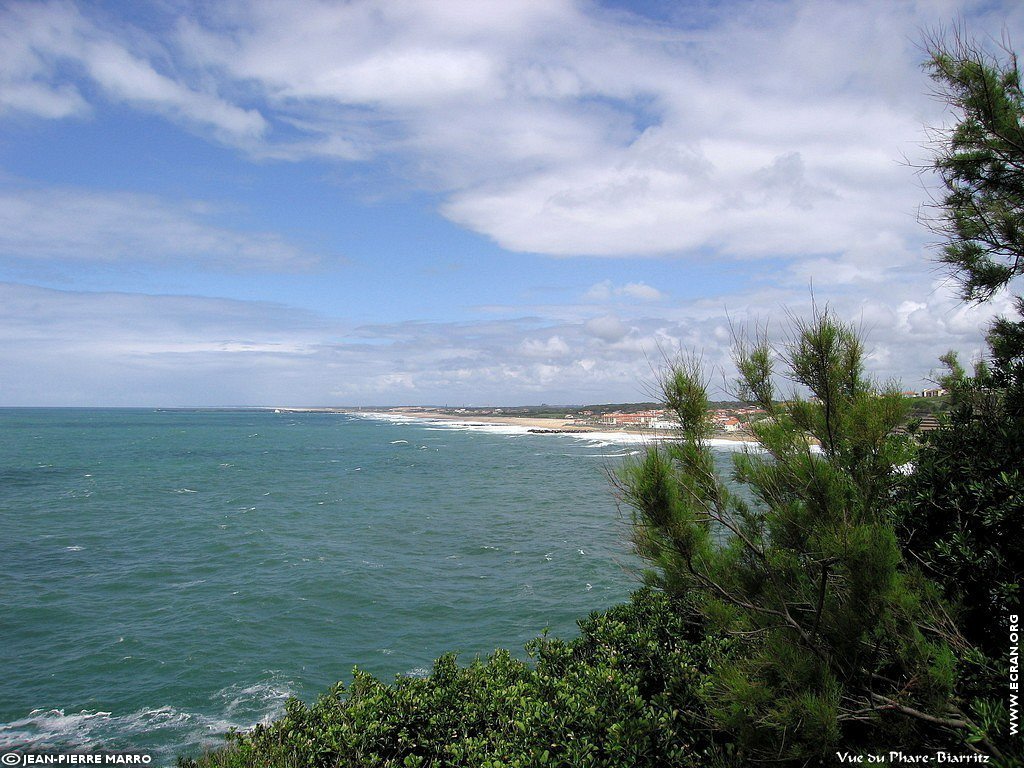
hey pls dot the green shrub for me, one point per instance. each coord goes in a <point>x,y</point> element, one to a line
<point>627,692</point>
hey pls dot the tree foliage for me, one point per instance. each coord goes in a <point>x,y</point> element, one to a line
<point>980,162</point>
<point>960,512</point>
<point>838,643</point>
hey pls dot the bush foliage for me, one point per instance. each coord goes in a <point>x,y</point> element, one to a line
<point>627,692</point>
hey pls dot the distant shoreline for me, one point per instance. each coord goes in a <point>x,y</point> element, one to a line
<point>536,425</point>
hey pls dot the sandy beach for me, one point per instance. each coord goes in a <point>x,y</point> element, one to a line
<point>518,421</point>
<point>555,425</point>
<point>526,423</point>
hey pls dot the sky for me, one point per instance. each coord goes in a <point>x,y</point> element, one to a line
<point>461,202</point>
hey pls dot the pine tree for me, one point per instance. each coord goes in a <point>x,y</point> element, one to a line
<point>960,512</point>
<point>841,647</point>
<point>980,162</point>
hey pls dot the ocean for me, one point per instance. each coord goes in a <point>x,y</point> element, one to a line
<point>167,574</point>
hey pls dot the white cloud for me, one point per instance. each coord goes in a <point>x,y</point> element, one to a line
<point>747,149</point>
<point>65,348</point>
<point>68,348</point>
<point>45,47</point>
<point>553,347</point>
<point>557,128</point>
<point>606,328</point>
<point>606,291</point>
<point>641,291</point>
<point>30,38</point>
<point>43,101</point>
<point>551,127</point>
<point>602,291</point>
<point>71,224</point>
<point>128,78</point>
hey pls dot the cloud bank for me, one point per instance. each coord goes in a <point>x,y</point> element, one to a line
<point>771,141</point>
<point>129,349</point>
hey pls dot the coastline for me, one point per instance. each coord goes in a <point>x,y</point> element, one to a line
<point>542,426</point>
<point>513,421</point>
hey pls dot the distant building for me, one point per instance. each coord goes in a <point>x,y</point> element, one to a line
<point>644,419</point>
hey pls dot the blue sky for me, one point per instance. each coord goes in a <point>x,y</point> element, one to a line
<point>444,201</point>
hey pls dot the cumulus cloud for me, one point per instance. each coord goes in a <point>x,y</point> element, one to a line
<point>641,291</point>
<point>562,129</point>
<point>607,328</point>
<point>552,127</point>
<point>606,291</point>
<point>553,347</point>
<point>602,291</point>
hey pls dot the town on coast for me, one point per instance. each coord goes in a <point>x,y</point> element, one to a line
<point>641,419</point>
<point>730,420</point>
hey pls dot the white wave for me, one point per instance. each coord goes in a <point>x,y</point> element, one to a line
<point>184,490</point>
<point>75,494</point>
<point>187,584</point>
<point>449,425</point>
<point>45,727</point>
<point>53,729</point>
<point>602,439</point>
<point>74,548</point>
<point>177,730</point>
<point>270,696</point>
<point>734,445</point>
<point>396,418</point>
<point>399,442</point>
<point>596,439</point>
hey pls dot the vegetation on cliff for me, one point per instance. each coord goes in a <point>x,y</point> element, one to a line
<point>627,692</point>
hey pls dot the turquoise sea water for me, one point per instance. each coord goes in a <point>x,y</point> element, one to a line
<point>167,575</point>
